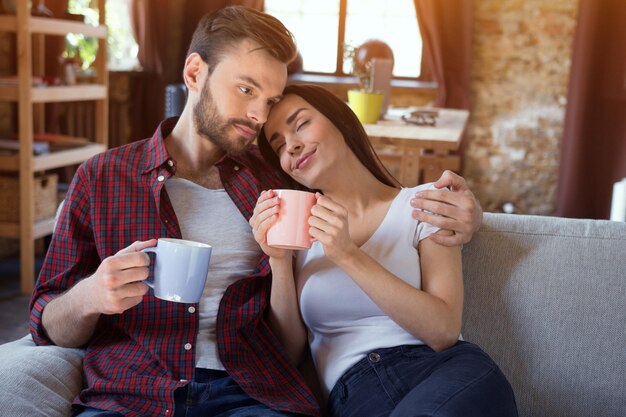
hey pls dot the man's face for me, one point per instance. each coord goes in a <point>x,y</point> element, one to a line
<point>237,97</point>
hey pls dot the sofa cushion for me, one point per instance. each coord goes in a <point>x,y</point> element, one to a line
<point>38,380</point>
<point>546,298</point>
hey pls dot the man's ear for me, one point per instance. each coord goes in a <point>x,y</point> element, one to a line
<point>194,72</point>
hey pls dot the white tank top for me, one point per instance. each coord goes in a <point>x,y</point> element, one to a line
<point>344,323</point>
<point>201,214</point>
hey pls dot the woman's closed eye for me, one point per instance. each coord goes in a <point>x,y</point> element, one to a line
<point>278,146</point>
<point>302,124</point>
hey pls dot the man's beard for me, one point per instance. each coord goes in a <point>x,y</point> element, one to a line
<point>211,125</point>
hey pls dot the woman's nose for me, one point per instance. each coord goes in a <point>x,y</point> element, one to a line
<point>294,147</point>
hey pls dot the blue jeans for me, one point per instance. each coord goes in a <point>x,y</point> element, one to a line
<point>414,381</point>
<point>211,393</point>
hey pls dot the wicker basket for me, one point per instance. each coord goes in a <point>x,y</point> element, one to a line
<point>45,197</point>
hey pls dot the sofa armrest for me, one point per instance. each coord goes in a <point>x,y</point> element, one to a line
<point>39,379</point>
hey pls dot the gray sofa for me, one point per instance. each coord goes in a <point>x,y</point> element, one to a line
<point>545,296</point>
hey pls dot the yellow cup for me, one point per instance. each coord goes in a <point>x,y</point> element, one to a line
<point>366,105</point>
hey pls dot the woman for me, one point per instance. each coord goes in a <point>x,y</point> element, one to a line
<point>379,304</point>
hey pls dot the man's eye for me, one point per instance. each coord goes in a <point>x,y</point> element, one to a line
<point>245,90</point>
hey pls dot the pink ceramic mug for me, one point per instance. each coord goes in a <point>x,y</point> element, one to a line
<point>291,229</point>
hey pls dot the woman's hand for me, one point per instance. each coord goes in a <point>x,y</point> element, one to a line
<point>264,216</point>
<point>329,225</point>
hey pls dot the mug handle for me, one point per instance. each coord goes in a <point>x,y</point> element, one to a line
<point>150,282</point>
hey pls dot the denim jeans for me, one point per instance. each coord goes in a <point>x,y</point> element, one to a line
<point>211,393</point>
<point>413,381</point>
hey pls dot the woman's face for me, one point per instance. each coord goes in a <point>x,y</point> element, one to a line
<point>309,146</point>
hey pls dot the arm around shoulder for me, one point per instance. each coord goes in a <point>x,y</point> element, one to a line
<point>456,210</point>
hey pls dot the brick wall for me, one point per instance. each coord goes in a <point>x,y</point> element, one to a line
<point>520,71</point>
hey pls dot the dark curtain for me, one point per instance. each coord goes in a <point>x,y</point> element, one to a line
<point>446,29</point>
<point>593,150</point>
<point>153,23</point>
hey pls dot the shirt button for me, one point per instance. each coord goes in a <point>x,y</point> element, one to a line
<point>183,380</point>
<point>170,162</point>
<point>373,357</point>
<point>192,309</point>
<point>187,346</point>
<point>160,178</point>
<point>236,168</point>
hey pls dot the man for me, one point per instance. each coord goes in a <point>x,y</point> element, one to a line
<point>197,178</point>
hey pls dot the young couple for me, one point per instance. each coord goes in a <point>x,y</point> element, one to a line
<point>380,291</point>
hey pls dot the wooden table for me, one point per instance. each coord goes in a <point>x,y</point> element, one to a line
<point>424,152</point>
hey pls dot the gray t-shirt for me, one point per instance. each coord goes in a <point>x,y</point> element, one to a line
<point>210,216</point>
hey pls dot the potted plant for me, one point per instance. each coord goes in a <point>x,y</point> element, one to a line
<point>364,101</point>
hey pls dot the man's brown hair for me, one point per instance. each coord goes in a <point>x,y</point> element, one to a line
<point>223,29</point>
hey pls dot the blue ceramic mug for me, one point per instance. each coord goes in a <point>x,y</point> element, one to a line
<point>180,269</point>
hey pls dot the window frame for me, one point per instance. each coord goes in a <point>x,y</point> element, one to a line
<point>341,36</point>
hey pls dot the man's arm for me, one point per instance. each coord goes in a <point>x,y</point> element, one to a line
<point>70,319</point>
<point>456,210</point>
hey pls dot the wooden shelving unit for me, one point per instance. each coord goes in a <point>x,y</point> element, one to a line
<point>30,31</point>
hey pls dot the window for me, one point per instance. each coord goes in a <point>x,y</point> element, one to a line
<point>122,48</point>
<point>320,26</point>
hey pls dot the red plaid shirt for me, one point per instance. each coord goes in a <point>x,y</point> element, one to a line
<point>135,360</point>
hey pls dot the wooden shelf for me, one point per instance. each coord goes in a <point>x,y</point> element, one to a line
<point>79,92</point>
<point>53,159</point>
<point>62,27</point>
<point>51,26</point>
<point>41,228</point>
<point>67,157</point>
<point>57,94</point>
<point>29,45</point>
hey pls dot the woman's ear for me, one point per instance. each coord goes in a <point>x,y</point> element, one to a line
<point>194,72</point>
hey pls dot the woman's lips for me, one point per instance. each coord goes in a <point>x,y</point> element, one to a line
<point>303,159</point>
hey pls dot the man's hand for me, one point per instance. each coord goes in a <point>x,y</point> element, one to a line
<point>456,210</point>
<point>70,319</point>
<point>117,284</point>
